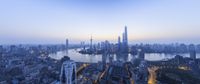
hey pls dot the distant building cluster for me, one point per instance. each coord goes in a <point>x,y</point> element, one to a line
<point>165,48</point>
<point>29,64</point>
<point>107,47</point>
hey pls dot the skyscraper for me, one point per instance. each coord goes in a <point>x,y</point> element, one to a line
<point>125,41</point>
<point>192,51</point>
<point>91,43</point>
<point>83,45</point>
<point>119,44</point>
<point>67,46</point>
<point>1,51</point>
<point>141,54</point>
<point>68,72</point>
<point>125,36</point>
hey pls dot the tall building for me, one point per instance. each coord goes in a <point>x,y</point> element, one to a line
<point>141,54</point>
<point>125,36</point>
<point>104,56</point>
<point>111,58</point>
<point>193,55</point>
<point>192,51</point>
<point>68,73</point>
<point>107,47</point>
<point>125,41</point>
<point>91,43</point>
<point>143,73</point>
<point>1,49</point>
<point>83,45</point>
<point>119,44</point>
<point>67,46</point>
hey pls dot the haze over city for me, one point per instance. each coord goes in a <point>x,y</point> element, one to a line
<point>99,42</point>
<point>52,21</point>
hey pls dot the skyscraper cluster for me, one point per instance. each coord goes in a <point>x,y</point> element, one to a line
<point>107,47</point>
<point>123,46</point>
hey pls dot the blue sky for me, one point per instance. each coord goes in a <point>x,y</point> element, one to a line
<point>51,21</point>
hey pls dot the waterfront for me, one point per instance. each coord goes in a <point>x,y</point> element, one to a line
<point>74,55</point>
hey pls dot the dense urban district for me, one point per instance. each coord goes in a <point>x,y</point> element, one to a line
<point>31,64</point>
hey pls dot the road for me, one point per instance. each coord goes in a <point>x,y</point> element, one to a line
<point>81,68</point>
<point>152,75</point>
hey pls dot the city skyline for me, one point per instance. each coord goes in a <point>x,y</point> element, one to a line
<point>51,22</point>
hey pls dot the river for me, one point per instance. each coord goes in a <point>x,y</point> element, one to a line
<point>76,56</point>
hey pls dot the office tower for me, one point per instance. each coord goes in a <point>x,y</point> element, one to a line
<point>141,54</point>
<point>66,46</point>
<point>143,73</point>
<point>98,45</point>
<point>1,51</point>
<point>125,36</point>
<point>125,41</point>
<point>193,55</point>
<point>192,51</point>
<point>119,44</point>
<point>82,44</point>
<point>107,47</point>
<point>104,56</point>
<point>91,43</point>
<point>1,48</point>
<point>111,59</point>
<point>68,72</point>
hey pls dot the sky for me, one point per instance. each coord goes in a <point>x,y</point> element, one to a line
<point>52,21</point>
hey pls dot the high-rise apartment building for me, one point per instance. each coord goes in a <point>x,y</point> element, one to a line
<point>68,72</point>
